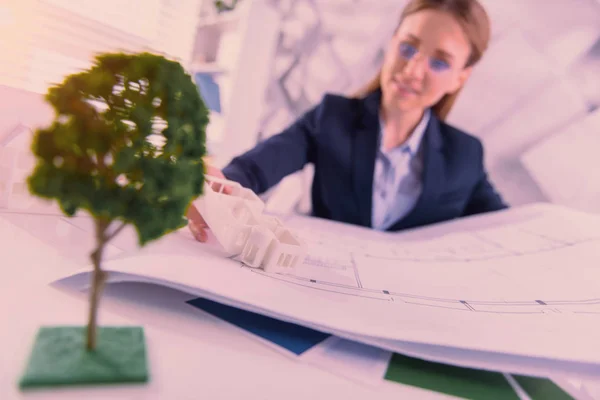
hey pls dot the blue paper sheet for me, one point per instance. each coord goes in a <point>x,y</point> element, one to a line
<point>295,338</point>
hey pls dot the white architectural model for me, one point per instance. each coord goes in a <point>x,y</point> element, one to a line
<point>237,221</point>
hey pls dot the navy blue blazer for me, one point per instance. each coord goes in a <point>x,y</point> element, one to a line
<point>339,136</point>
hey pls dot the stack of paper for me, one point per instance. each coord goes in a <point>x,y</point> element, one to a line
<point>371,365</point>
<point>500,298</point>
<point>456,298</point>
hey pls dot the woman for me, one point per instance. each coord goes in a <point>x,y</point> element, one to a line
<point>385,158</point>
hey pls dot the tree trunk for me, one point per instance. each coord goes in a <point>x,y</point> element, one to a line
<point>98,280</point>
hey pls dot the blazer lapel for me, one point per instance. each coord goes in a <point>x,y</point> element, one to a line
<point>364,151</point>
<point>433,178</point>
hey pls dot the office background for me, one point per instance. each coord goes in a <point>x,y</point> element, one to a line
<point>534,99</point>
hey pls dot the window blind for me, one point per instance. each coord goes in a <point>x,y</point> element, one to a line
<point>44,40</point>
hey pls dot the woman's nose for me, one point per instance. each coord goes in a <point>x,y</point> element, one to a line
<point>415,68</point>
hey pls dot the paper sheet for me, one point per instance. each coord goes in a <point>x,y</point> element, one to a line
<point>291,339</point>
<point>505,297</point>
<point>352,360</point>
<point>370,365</point>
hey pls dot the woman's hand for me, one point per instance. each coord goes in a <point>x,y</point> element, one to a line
<point>196,222</point>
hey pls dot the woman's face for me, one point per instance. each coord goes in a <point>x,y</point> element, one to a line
<point>426,60</point>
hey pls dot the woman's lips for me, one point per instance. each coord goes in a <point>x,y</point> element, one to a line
<point>403,89</point>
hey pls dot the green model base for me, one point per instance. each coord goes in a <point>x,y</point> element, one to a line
<point>60,357</point>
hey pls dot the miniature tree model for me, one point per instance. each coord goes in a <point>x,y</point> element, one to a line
<point>126,146</point>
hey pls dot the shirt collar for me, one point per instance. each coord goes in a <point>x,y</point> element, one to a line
<point>414,141</point>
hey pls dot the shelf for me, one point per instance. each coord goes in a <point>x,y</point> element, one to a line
<point>235,48</point>
<point>223,21</point>
<point>210,68</point>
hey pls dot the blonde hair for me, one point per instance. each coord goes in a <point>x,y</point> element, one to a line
<point>474,21</point>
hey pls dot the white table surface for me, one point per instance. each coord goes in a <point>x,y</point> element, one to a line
<point>191,355</point>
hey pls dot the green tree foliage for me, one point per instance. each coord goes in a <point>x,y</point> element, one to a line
<point>225,5</point>
<point>126,146</point>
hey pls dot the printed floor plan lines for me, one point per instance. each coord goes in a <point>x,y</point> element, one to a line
<point>475,246</point>
<point>534,306</point>
<point>323,263</point>
<point>333,269</point>
<point>323,286</point>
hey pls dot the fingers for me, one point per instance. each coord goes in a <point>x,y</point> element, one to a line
<point>212,171</point>
<point>198,232</point>
<point>194,216</point>
<point>197,224</point>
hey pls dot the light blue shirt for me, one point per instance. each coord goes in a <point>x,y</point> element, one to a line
<point>397,182</point>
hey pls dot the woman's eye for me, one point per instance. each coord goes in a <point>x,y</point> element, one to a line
<point>407,50</point>
<point>439,65</point>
